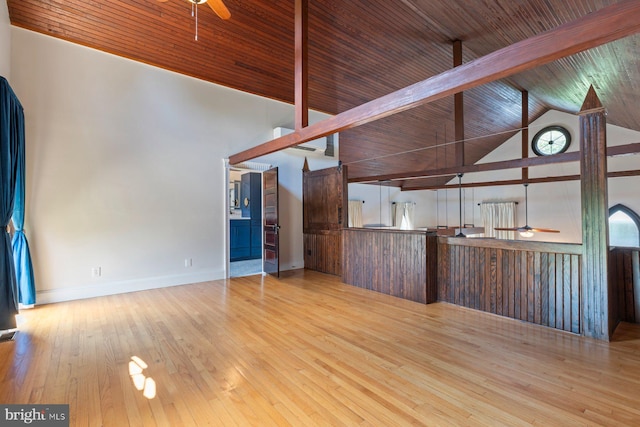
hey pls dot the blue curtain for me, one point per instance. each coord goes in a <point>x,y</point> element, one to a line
<point>21,254</point>
<point>11,119</point>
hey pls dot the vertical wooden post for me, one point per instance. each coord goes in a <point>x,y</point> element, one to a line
<point>301,62</point>
<point>458,109</point>
<point>595,225</point>
<point>525,133</point>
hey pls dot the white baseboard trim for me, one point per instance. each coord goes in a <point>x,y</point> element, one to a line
<point>295,265</point>
<point>111,288</point>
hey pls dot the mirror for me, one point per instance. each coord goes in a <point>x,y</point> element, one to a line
<point>234,195</point>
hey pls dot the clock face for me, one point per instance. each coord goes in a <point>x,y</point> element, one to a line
<point>551,140</point>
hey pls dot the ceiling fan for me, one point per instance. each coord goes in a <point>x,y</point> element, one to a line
<point>216,5</point>
<point>527,231</point>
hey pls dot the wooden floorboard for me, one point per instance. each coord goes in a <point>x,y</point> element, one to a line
<point>306,350</point>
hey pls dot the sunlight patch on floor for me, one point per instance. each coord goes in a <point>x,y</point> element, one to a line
<point>142,383</point>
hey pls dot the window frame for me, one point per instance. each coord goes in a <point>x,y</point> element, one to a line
<point>563,130</point>
<point>630,213</point>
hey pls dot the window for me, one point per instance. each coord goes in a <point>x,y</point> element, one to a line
<point>624,227</point>
<point>551,140</point>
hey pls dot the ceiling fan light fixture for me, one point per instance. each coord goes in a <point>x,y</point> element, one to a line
<point>198,1</point>
<point>526,233</point>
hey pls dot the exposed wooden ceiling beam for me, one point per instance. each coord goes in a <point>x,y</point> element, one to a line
<point>572,156</point>
<point>524,134</point>
<point>458,108</point>
<point>301,64</point>
<point>542,180</point>
<point>608,24</point>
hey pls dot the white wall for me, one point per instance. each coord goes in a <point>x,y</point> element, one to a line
<point>125,169</point>
<point>5,42</point>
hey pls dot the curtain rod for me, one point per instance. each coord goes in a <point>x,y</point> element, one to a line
<point>497,202</point>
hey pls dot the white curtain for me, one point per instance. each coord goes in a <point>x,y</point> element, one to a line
<point>498,214</point>
<point>403,215</point>
<point>355,213</point>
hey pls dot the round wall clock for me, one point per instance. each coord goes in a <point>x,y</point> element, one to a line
<point>551,140</point>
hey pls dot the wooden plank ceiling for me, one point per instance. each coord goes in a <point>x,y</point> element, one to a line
<point>360,50</point>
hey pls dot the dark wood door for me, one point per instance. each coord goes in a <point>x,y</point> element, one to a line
<point>271,241</point>
<point>324,215</point>
<point>245,195</point>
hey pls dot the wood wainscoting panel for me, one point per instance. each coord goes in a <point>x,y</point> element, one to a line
<point>392,262</point>
<point>538,283</point>
<point>323,251</point>
<point>624,279</point>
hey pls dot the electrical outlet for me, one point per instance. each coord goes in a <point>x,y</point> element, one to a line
<point>188,262</point>
<point>96,272</point>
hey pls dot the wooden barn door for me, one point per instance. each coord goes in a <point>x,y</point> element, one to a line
<point>325,213</point>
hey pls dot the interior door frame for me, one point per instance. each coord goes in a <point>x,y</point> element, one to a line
<point>245,167</point>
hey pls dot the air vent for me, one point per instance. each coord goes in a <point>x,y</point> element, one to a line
<point>322,147</point>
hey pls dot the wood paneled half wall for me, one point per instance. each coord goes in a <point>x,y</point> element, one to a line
<point>531,281</point>
<point>393,262</point>
<point>537,282</point>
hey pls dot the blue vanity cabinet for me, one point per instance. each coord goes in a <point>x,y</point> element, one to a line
<point>256,240</point>
<point>251,207</point>
<point>240,236</point>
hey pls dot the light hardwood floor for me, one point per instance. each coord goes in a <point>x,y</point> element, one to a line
<point>306,350</point>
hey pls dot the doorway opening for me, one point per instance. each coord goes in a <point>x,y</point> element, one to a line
<point>245,219</point>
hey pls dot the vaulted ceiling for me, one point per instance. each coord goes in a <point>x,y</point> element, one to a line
<point>360,50</point>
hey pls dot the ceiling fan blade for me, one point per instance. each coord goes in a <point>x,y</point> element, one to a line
<point>527,228</point>
<point>544,230</point>
<point>219,8</point>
